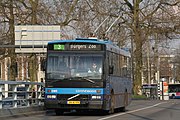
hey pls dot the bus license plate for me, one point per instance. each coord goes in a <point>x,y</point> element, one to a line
<point>73,102</point>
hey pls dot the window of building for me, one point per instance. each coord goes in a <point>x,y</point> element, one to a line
<point>16,69</point>
<point>27,71</point>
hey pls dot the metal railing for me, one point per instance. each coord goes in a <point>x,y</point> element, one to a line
<point>16,94</point>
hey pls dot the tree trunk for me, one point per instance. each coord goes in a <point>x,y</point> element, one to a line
<point>33,66</point>
<point>138,51</point>
<point>12,41</point>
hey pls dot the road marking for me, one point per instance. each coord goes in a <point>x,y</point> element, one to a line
<point>130,111</point>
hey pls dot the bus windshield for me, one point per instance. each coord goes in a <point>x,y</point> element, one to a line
<point>174,91</point>
<point>174,88</point>
<point>69,66</point>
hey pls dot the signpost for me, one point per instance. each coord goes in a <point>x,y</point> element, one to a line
<point>34,38</point>
<point>164,89</point>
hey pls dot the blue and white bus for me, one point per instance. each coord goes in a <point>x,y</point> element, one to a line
<point>87,74</point>
<point>174,91</point>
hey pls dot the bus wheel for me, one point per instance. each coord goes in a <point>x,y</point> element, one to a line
<point>59,112</point>
<point>111,111</point>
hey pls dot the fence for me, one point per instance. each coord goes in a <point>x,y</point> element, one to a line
<point>16,94</point>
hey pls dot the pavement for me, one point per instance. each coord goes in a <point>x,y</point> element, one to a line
<point>18,112</point>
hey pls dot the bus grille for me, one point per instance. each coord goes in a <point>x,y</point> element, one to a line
<point>78,98</point>
<point>64,98</point>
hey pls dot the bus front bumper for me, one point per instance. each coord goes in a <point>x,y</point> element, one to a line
<point>54,104</point>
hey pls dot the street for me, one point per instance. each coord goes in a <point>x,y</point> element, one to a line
<point>138,110</point>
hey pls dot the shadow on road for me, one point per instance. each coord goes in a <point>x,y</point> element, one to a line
<point>83,113</point>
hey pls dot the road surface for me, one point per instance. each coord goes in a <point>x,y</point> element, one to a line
<point>138,110</point>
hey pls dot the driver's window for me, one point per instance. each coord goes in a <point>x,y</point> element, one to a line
<point>95,65</point>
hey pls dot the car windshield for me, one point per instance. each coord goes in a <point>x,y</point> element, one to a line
<point>64,66</point>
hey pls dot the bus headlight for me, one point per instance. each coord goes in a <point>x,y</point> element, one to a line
<point>96,97</point>
<point>51,96</point>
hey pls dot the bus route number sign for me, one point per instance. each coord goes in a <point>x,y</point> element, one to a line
<point>59,47</point>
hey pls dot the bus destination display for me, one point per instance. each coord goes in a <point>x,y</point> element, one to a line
<point>62,47</point>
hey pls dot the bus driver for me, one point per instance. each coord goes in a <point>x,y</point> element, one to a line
<point>94,69</point>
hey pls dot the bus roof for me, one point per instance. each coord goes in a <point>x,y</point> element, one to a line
<point>109,44</point>
<point>174,83</point>
<point>80,40</point>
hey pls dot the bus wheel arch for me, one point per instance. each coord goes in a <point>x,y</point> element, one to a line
<point>126,97</point>
<point>123,109</point>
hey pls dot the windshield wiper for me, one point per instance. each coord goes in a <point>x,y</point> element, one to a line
<point>54,81</point>
<point>73,78</point>
<point>89,80</point>
<point>85,78</point>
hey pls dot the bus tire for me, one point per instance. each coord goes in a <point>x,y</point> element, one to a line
<point>112,104</point>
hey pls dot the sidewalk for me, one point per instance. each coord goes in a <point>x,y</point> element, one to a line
<point>18,112</point>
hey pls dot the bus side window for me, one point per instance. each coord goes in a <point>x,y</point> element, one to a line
<point>111,69</point>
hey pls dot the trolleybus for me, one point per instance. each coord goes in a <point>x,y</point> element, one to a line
<point>87,74</point>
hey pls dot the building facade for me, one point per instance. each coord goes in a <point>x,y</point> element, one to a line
<point>21,68</point>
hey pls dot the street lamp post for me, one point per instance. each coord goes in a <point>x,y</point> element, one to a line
<point>162,91</point>
<point>162,80</point>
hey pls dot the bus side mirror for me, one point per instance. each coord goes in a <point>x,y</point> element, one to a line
<point>43,65</point>
<point>111,69</point>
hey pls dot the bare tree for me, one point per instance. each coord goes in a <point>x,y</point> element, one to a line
<point>142,15</point>
<point>7,12</point>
